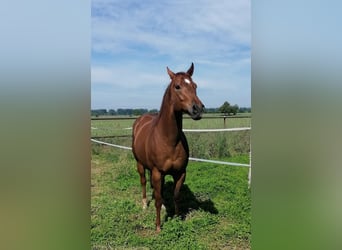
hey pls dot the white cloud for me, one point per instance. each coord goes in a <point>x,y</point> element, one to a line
<point>141,38</point>
<point>206,29</point>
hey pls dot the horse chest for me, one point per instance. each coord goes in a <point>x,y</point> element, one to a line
<point>173,158</point>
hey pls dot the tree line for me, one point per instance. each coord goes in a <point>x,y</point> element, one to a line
<point>130,112</point>
<point>225,108</point>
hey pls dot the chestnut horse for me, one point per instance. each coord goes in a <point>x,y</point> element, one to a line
<point>159,143</point>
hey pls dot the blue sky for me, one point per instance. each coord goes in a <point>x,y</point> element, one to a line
<point>134,41</point>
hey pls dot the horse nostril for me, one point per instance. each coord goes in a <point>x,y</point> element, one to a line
<point>195,109</point>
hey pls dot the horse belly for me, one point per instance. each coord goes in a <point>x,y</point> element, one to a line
<point>141,130</point>
<point>139,151</point>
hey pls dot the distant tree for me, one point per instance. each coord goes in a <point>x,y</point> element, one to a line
<point>124,111</point>
<point>244,110</point>
<point>139,111</point>
<point>112,112</point>
<point>98,112</point>
<point>225,108</point>
<point>153,111</point>
<point>129,112</point>
<point>136,112</point>
<point>234,109</point>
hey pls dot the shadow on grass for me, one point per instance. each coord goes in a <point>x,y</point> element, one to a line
<point>188,201</point>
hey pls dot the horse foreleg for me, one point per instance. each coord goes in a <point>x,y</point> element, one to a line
<point>178,182</point>
<point>141,171</point>
<point>157,191</point>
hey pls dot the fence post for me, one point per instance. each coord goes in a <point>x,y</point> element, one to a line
<point>250,169</point>
<point>224,121</point>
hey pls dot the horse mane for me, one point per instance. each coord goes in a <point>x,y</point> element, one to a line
<point>166,97</point>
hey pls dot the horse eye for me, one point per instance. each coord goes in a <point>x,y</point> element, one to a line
<point>177,87</point>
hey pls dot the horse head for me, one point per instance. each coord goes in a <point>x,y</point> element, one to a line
<point>183,93</point>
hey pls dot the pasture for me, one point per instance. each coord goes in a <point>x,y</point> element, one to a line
<point>215,199</point>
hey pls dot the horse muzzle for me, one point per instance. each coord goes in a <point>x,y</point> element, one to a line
<point>196,111</point>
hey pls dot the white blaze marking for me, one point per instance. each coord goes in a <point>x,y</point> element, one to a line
<point>187,81</point>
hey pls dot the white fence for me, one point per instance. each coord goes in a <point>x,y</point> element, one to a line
<point>199,159</point>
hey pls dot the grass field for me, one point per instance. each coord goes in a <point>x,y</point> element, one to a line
<point>215,199</point>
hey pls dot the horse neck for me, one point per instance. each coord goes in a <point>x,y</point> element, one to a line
<point>170,122</point>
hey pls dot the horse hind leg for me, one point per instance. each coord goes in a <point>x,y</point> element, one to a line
<point>141,171</point>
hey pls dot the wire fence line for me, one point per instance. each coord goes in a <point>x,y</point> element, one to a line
<point>205,130</point>
<point>190,158</point>
<point>216,129</point>
<point>110,144</point>
<point>224,117</point>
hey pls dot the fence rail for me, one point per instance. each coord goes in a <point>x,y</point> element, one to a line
<point>111,136</point>
<point>185,117</point>
<point>216,130</point>
<point>190,158</point>
<point>209,130</point>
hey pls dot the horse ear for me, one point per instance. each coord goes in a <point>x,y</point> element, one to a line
<point>191,69</point>
<point>171,74</point>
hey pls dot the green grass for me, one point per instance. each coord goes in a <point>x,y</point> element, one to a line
<point>215,199</point>
<point>111,127</point>
<point>215,206</point>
